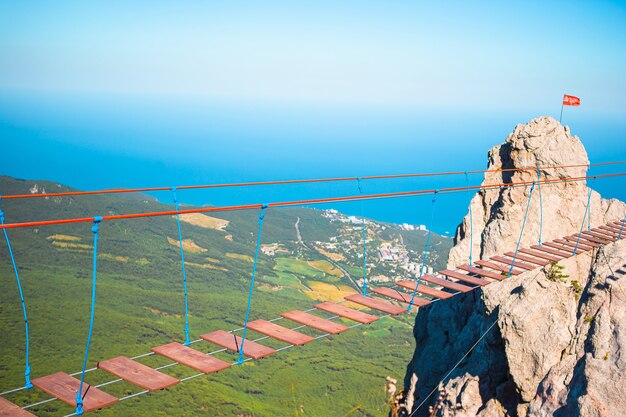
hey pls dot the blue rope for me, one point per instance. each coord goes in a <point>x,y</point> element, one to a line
<point>521,233</point>
<point>184,271</point>
<point>471,221</point>
<point>589,211</point>
<point>621,229</point>
<point>79,397</point>
<point>27,383</point>
<point>540,204</point>
<point>583,223</point>
<point>256,259</point>
<point>424,255</point>
<point>364,289</point>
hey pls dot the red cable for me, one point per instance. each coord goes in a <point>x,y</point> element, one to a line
<point>283,182</point>
<point>299,202</point>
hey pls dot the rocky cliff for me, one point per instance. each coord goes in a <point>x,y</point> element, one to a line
<point>547,342</point>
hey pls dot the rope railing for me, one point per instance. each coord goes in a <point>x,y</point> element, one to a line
<point>362,197</point>
<point>297,181</point>
<point>258,206</point>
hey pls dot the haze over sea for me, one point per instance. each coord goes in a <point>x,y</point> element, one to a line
<point>93,144</point>
<point>124,95</point>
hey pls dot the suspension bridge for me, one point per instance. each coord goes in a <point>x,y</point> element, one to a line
<point>375,302</point>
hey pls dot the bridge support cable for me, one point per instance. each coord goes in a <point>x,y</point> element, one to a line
<point>540,204</point>
<point>521,233</point>
<point>183,268</point>
<point>471,221</point>
<point>582,226</point>
<point>364,231</point>
<point>27,370</point>
<point>79,394</point>
<point>241,359</point>
<point>426,250</point>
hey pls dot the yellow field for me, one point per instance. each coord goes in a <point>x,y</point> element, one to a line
<point>206,266</point>
<point>71,245</point>
<point>240,256</point>
<point>64,237</point>
<point>188,245</point>
<point>322,291</point>
<point>202,220</point>
<point>110,257</point>
<point>337,257</point>
<point>325,267</point>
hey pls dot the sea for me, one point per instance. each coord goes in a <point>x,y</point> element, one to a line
<point>97,141</point>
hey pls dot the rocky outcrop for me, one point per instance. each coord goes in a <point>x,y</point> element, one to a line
<point>497,214</point>
<point>548,342</point>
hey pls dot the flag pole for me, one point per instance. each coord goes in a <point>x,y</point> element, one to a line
<point>561,116</point>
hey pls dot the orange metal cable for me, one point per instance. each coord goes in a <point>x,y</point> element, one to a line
<point>284,182</point>
<point>301,202</point>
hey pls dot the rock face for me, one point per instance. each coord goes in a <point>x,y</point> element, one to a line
<point>497,214</point>
<point>544,343</point>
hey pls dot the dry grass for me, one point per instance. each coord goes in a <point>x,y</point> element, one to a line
<point>202,220</point>
<point>322,291</point>
<point>337,257</point>
<point>240,256</point>
<point>188,245</point>
<point>110,257</point>
<point>325,267</point>
<point>66,238</point>
<point>69,245</point>
<point>206,266</point>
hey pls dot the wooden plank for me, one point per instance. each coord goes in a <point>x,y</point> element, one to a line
<point>608,232</point>
<point>64,387</point>
<point>560,252</point>
<point>572,245</point>
<point>138,374</point>
<point>400,296</point>
<point>425,289</point>
<point>315,322</point>
<point>375,303</point>
<point>599,236</point>
<point>191,358</point>
<point>464,277</point>
<point>8,409</point>
<point>584,238</point>
<point>564,248</point>
<point>349,313</point>
<point>536,254</point>
<point>455,286</point>
<point>575,239</point>
<point>509,262</point>
<point>482,272</point>
<point>231,342</point>
<point>280,333</point>
<point>531,259</point>
<point>615,227</point>
<point>498,267</point>
<point>613,232</point>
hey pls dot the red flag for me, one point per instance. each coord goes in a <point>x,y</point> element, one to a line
<point>570,100</point>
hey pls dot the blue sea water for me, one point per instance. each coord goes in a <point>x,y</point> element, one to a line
<point>110,142</point>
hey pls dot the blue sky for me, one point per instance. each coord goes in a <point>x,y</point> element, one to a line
<point>487,55</point>
<point>149,93</point>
